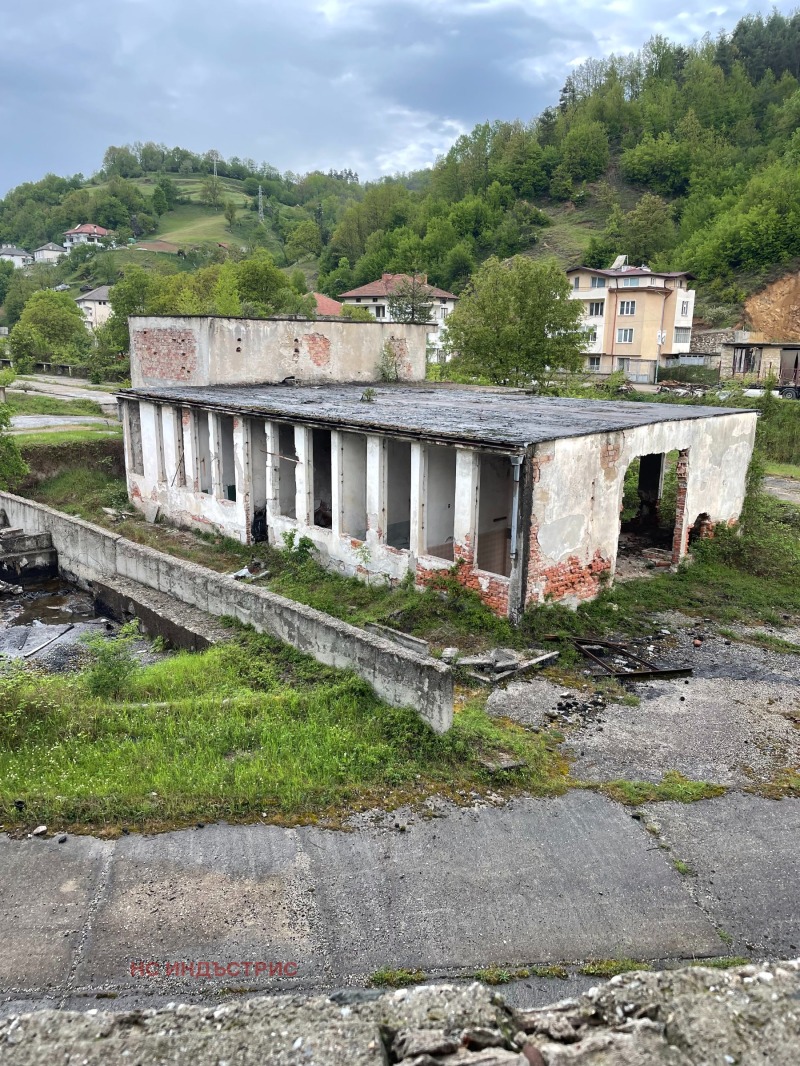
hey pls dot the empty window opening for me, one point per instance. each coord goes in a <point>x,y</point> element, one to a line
<point>495,499</point>
<point>227,469</point>
<point>354,485</point>
<point>321,466</point>
<point>648,514</point>
<point>287,472</point>
<point>203,452</point>
<point>440,501</point>
<point>135,430</point>
<point>398,494</point>
<point>258,478</point>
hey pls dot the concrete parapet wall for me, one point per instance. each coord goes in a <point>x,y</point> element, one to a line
<point>400,677</point>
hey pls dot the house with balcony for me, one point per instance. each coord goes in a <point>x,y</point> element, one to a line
<point>49,253</point>
<point>635,317</point>
<point>86,233</point>
<point>375,297</point>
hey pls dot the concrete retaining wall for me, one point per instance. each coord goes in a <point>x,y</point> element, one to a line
<point>400,677</point>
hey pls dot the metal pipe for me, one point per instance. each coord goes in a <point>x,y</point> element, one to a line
<point>516,462</point>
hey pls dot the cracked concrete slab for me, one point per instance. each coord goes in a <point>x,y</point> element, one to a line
<point>745,854</point>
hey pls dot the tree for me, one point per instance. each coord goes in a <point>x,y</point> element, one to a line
<point>211,192</point>
<point>230,213</point>
<point>160,205</point>
<point>6,274</point>
<point>52,326</point>
<point>13,467</point>
<point>170,191</point>
<point>648,229</point>
<point>410,300</point>
<point>515,322</point>
<point>586,151</point>
<point>304,240</point>
<point>355,313</point>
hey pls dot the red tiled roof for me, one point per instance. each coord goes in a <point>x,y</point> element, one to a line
<point>326,305</point>
<point>88,227</point>
<point>389,282</point>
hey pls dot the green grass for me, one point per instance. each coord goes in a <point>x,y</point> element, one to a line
<point>683,868</point>
<point>556,971</point>
<point>39,403</point>
<point>191,223</point>
<point>29,442</point>
<point>247,729</point>
<point>388,978</point>
<point>612,967</point>
<point>493,975</point>
<point>673,787</point>
<point>782,469</point>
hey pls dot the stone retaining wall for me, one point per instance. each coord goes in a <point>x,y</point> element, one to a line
<point>93,554</point>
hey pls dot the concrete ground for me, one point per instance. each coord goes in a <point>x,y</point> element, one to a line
<point>785,488</point>
<point>69,389</point>
<point>47,423</point>
<point>531,881</point>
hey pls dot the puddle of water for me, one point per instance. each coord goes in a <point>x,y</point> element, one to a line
<point>51,603</point>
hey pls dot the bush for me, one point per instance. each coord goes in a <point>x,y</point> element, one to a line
<point>113,662</point>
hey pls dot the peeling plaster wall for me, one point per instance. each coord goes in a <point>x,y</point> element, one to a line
<point>167,350</point>
<point>577,496</point>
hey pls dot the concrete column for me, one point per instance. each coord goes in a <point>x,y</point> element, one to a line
<point>216,456</point>
<point>189,449</point>
<point>376,490</point>
<point>126,435</point>
<point>337,479</point>
<point>304,483</point>
<point>273,467</point>
<point>680,539</point>
<point>243,474</point>
<point>148,413</point>
<point>416,538</point>
<point>465,519</point>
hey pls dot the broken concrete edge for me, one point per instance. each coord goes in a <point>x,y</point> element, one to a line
<point>399,676</point>
<point>638,1018</point>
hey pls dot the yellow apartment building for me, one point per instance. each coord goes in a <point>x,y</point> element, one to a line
<point>633,317</point>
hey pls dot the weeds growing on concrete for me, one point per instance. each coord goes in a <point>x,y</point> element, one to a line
<point>388,978</point>
<point>672,787</point>
<point>722,962</point>
<point>246,730</point>
<point>560,973</point>
<point>612,967</point>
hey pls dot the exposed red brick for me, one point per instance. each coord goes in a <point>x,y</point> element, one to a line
<point>165,353</point>
<point>318,348</point>
<point>492,589</point>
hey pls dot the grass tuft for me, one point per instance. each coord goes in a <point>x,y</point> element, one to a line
<point>388,978</point>
<point>612,967</point>
<point>672,787</point>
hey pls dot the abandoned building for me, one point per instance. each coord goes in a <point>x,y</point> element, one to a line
<point>263,428</point>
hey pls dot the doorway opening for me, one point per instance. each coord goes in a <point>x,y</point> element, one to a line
<point>321,473</point>
<point>287,471</point>
<point>495,501</point>
<point>440,501</point>
<point>648,515</point>
<point>398,493</point>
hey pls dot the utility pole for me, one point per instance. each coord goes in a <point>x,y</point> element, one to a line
<point>260,206</point>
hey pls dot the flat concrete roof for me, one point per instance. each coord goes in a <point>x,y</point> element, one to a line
<point>496,417</point>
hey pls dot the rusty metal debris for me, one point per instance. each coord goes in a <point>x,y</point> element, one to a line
<point>644,670</point>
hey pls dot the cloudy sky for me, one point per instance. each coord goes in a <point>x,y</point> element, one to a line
<point>376,85</point>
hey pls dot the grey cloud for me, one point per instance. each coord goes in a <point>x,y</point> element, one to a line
<point>366,83</point>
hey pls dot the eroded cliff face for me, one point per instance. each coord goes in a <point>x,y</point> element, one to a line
<point>775,311</point>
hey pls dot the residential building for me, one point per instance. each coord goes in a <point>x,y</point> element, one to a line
<point>96,306</point>
<point>86,233</point>
<point>263,429</point>
<point>18,256</point>
<point>634,316</point>
<point>49,253</point>
<point>326,305</point>
<point>375,297</point>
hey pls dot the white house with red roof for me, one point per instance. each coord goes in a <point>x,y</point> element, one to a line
<point>326,305</point>
<point>375,297</point>
<point>86,233</point>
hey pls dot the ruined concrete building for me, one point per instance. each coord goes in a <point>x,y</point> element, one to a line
<point>263,428</point>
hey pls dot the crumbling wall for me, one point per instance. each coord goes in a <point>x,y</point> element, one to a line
<point>180,350</point>
<point>577,496</point>
<point>90,553</point>
<point>674,1018</point>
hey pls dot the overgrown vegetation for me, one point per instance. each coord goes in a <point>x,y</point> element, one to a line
<point>401,978</point>
<point>249,729</point>
<point>612,967</point>
<point>672,787</point>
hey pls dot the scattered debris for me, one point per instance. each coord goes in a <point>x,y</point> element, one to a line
<point>622,658</point>
<point>7,589</point>
<point>449,655</point>
<point>39,831</point>
<point>501,663</point>
<point>397,636</point>
<point>115,515</point>
<point>501,763</point>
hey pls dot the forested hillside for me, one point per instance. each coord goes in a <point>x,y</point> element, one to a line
<point>681,157</point>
